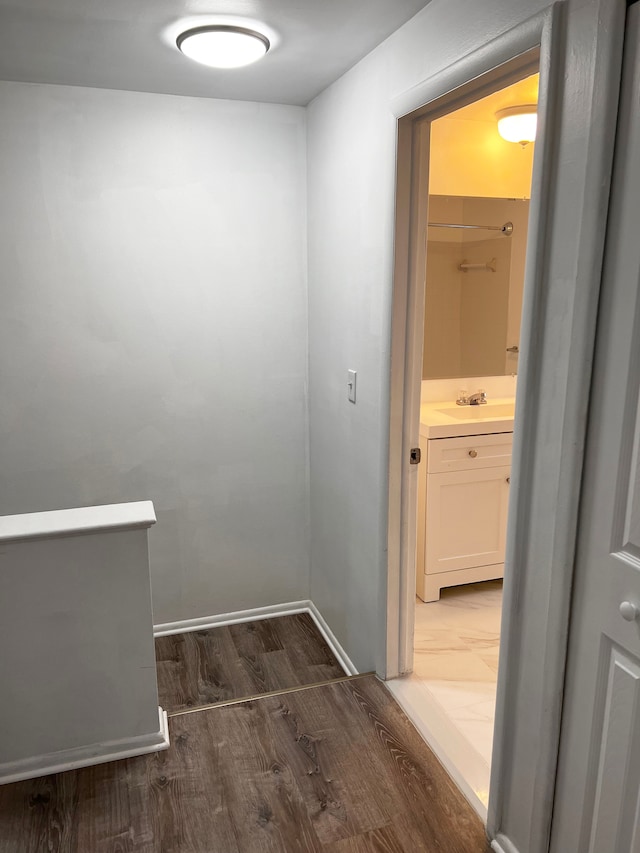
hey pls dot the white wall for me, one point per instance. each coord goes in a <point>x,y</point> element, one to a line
<point>516,211</point>
<point>484,306</point>
<point>351,155</point>
<point>153,339</point>
<point>351,151</point>
<point>443,300</point>
<point>472,317</point>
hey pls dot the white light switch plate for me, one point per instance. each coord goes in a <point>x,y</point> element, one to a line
<point>351,385</point>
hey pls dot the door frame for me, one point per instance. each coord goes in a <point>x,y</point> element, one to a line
<point>596,789</point>
<point>564,261</point>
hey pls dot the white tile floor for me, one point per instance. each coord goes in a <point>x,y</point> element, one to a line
<point>453,687</point>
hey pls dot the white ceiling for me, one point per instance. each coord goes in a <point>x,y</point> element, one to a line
<point>130,44</point>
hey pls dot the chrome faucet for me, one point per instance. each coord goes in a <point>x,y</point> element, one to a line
<point>478,399</point>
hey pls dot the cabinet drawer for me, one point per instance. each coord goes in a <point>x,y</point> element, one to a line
<point>469,452</point>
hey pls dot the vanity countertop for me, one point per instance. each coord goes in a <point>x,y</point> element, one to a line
<point>446,420</point>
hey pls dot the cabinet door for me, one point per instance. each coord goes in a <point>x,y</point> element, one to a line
<point>466,519</point>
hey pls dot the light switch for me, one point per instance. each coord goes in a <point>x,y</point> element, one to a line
<point>351,385</point>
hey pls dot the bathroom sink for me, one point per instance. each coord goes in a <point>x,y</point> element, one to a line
<point>474,413</point>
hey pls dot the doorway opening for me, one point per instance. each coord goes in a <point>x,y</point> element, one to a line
<point>468,212</point>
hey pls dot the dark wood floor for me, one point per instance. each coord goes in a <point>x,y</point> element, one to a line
<point>235,661</point>
<point>336,768</point>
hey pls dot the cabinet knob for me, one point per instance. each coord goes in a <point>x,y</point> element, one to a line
<point>629,611</point>
<point>473,453</point>
<point>508,479</point>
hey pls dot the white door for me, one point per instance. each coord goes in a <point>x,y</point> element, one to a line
<point>597,795</point>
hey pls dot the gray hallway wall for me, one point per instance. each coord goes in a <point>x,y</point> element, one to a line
<point>351,187</point>
<point>153,332</point>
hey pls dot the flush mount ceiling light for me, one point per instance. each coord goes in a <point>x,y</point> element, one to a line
<point>518,124</point>
<point>221,46</point>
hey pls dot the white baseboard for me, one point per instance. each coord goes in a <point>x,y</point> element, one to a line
<point>502,844</point>
<point>85,756</point>
<point>330,638</point>
<point>254,615</point>
<point>287,609</point>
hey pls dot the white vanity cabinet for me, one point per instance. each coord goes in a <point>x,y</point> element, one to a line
<point>463,500</point>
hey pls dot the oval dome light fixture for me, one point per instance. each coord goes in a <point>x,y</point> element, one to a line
<point>222,46</point>
<point>518,124</point>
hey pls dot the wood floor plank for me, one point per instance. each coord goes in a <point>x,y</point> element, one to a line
<point>261,795</point>
<point>255,638</point>
<point>110,809</point>
<point>420,785</point>
<point>323,757</point>
<point>187,798</point>
<point>299,636</point>
<point>198,668</point>
<point>383,840</point>
<point>331,769</point>
<point>275,671</point>
<point>218,664</point>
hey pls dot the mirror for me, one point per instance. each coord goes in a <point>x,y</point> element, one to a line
<point>474,286</point>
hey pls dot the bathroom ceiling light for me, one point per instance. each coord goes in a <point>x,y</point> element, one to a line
<point>518,124</point>
<point>223,46</point>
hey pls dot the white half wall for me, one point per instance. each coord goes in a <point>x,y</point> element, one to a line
<point>77,668</point>
<point>153,332</point>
